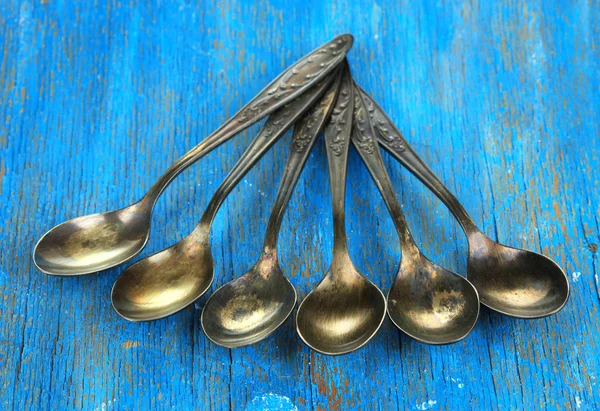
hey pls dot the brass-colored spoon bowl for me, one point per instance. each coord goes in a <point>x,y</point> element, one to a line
<point>87,244</point>
<point>250,308</point>
<point>431,304</point>
<point>343,313</point>
<point>519,283</point>
<point>165,282</point>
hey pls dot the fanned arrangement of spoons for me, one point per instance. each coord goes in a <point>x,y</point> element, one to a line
<point>345,310</point>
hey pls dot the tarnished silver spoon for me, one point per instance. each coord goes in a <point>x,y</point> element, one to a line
<point>96,242</point>
<point>172,279</point>
<point>429,303</point>
<point>250,308</point>
<point>345,310</point>
<point>512,281</point>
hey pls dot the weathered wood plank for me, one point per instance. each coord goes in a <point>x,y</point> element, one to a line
<point>97,98</point>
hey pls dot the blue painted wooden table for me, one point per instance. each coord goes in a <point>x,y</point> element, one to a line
<point>98,98</point>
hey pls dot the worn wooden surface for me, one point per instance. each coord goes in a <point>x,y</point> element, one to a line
<point>97,98</point>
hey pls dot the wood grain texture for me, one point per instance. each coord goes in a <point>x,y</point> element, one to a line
<point>97,98</point>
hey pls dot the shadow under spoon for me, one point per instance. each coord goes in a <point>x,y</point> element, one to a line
<point>250,308</point>
<point>345,310</point>
<point>429,303</point>
<point>96,242</point>
<point>511,281</point>
<point>172,279</point>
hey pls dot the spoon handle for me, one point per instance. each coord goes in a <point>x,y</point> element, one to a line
<point>337,136</point>
<point>276,125</point>
<point>303,139</point>
<point>293,82</point>
<point>368,149</point>
<point>393,141</point>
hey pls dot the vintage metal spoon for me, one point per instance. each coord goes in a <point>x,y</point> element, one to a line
<point>250,308</point>
<point>345,310</point>
<point>170,280</point>
<point>512,281</point>
<point>97,242</point>
<point>427,302</point>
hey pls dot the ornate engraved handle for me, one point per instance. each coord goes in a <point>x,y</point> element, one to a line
<point>293,82</point>
<point>304,137</point>
<point>301,74</point>
<point>363,138</point>
<point>275,127</point>
<point>392,140</point>
<point>337,138</point>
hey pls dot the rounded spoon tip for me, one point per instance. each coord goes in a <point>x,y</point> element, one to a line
<point>347,37</point>
<point>248,309</point>
<point>516,282</point>
<point>92,243</point>
<point>341,315</point>
<point>431,304</point>
<point>164,283</point>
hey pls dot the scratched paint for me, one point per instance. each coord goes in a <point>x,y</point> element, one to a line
<point>501,98</point>
<point>271,402</point>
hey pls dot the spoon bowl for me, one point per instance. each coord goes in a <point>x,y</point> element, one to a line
<point>341,314</point>
<point>431,304</point>
<point>516,282</point>
<point>92,243</point>
<point>250,308</point>
<point>165,282</point>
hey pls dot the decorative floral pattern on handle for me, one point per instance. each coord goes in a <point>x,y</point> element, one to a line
<point>302,73</point>
<point>362,128</point>
<point>339,118</point>
<point>382,125</point>
<point>302,137</point>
